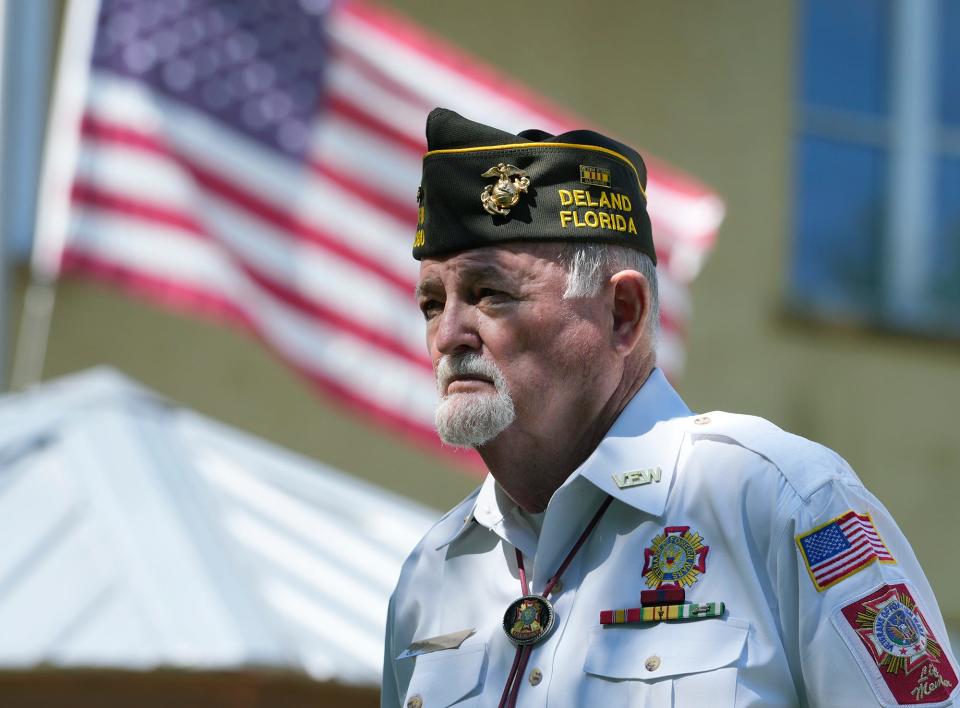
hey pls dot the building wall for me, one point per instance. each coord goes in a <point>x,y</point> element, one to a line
<point>707,87</point>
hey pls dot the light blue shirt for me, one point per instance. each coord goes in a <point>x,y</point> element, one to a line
<point>737,486</point>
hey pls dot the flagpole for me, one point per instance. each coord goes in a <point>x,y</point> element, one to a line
<point>61,149</point>
<point>4,221</point>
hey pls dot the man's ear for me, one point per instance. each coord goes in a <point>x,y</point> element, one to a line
<point>631,309</point>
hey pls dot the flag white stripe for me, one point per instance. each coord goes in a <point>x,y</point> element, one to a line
<point>386,380</point>
<point>154,179</point>
<point>351,291</point>
<point>258,171</point>
<point>437,83</point>
<point>369,157</point>
<point>332,282</point>
<point>324,206</point>
<point>864,540</point>
<point>348,83</point>
<point>842,560</point>
<point>339,285</point>
<point>853,561</point>
<point>285,262</point>
<point>692,217</point>
<point>688,217</point>
<point>135,173</point>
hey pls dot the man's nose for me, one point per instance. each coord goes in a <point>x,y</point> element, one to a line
<point>457,329</point>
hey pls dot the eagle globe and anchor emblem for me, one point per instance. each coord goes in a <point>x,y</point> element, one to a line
<point>500,197</point>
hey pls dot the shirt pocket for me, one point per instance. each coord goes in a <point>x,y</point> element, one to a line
<point>678,664</point>
<point>443,678</point>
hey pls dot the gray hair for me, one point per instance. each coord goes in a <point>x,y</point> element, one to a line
<point>590,265</point>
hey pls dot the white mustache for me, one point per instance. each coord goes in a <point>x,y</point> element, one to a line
<point>471,364</point>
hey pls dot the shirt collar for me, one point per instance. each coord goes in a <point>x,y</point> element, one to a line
<point>644,439</point>
<point>495,510</point>
<point>643,443</point>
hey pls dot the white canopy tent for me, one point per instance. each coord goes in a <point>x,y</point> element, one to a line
<point>137,534</point>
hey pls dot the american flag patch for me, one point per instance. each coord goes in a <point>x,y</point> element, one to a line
<point>841,547</point>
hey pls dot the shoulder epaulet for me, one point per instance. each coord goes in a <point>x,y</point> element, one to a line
<point>804,464</point>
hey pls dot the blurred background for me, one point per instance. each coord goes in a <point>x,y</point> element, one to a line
<point>807,155</point>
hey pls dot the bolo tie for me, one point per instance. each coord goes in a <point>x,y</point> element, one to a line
<point>529,619</point>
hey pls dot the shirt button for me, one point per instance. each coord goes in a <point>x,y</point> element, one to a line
<point>536,676</point>
<point>415,702</point>
<point>652,663</point>
<point>701,420</point>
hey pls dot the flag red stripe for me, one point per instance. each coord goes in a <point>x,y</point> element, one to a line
<point>168,293</point>
<point>180,296</point>
<point>829,565</point>
<point>87,194</point>
<point>854,563</point>
<point>96,129</point>
<point>139,210</point>
<point>342,51</point>
<point>847,569</point>
<point>357,115</point>
<point>441,53</point>
<point>122,134</point>
<point>99,130</point>
<point>90,195</point>
<point>857,539</point>
<point>315,309</point>
<point>403,213</point>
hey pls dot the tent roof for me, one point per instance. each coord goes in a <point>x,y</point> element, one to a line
<point>139,534</point>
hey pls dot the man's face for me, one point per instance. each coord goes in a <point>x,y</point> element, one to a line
<point>499,328</point>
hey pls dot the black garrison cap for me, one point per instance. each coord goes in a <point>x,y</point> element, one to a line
<point>482,186</point>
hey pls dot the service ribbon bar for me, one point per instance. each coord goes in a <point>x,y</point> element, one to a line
<point>688,611</point>
<point>669,595</point>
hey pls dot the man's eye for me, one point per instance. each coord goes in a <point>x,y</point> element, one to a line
<point>485,293</point>
<point>430,308</point>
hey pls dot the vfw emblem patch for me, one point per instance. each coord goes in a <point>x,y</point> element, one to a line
<point>677,556</point>
<point>906,665</point>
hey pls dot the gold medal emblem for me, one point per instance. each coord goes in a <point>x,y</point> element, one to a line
<point>499,198</point>
<point>528,619</point>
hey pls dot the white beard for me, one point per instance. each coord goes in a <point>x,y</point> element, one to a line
<point>472,419</point>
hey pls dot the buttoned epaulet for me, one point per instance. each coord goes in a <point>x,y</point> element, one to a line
<point>804,464</point>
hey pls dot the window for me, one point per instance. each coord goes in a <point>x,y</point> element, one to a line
<point>876,224</point>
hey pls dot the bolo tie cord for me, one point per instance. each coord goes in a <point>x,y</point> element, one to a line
<point>508,698</point>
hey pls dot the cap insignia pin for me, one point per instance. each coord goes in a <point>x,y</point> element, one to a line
<point>499,198</point>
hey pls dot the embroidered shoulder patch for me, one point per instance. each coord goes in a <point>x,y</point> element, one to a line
<point>677,556</point>
<point>841,547</point>
<point>898,652</point>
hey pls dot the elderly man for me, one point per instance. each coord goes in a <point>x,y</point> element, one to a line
<point>622,551</point>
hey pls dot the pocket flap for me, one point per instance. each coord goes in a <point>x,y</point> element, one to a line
<point>664,649</point>
<point>444,677</point>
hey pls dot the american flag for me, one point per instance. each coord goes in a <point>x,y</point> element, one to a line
<point>259,161</point>
<point>841,547</point>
